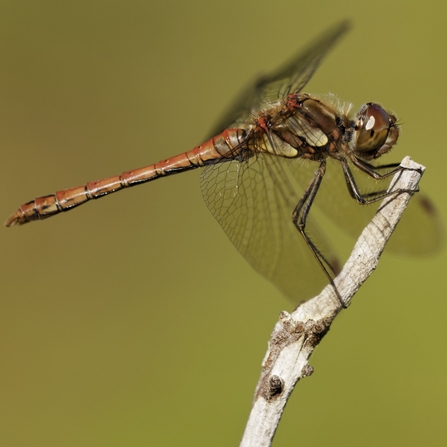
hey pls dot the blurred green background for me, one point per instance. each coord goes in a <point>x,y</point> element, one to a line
<point>133,321</point>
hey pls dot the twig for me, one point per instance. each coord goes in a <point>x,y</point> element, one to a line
<point>297,334</point>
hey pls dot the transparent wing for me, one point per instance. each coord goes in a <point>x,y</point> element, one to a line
<point>291,78</point>
<point>253,201</point>
<point>419,233</point>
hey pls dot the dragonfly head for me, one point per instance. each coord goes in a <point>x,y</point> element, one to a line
<point>375,132</point>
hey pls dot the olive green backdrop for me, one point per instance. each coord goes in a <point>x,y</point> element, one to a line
<point>132,321</point>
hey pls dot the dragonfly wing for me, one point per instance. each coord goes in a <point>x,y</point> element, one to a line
<point>291,78</point>
<point>297,73</point>
<point>419,232</point>
<point>239,114</point>
<point>253,201</point>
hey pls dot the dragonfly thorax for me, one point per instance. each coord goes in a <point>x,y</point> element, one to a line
<point>304,127</point>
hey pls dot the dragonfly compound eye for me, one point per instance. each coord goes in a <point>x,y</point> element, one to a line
<point>373,130</point>
<point>373,127</point>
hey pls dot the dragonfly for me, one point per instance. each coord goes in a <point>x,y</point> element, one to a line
<point>276,155</point>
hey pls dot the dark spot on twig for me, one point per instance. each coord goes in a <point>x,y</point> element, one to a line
<point>317,331</point>
<point>275,387</point>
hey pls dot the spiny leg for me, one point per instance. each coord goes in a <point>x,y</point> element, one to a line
<point>371,170</point>
<point>299,218</point>
<point>366,199</point>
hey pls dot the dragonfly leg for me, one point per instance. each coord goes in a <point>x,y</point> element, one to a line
<point>371,170</point>
<point>365,199</point>
<point>299,218</point>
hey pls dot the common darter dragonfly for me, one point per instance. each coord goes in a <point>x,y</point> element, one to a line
<point>276,154</point>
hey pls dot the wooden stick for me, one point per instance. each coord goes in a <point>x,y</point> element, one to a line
<point>296,335</point>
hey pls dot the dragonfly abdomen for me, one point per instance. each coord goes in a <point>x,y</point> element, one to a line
<point>223,146</point>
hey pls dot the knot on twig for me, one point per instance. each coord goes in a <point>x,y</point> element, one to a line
<point>317,330</point>
<point>307,371</point>
<point>275,388</point>
<point>288,331</point>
